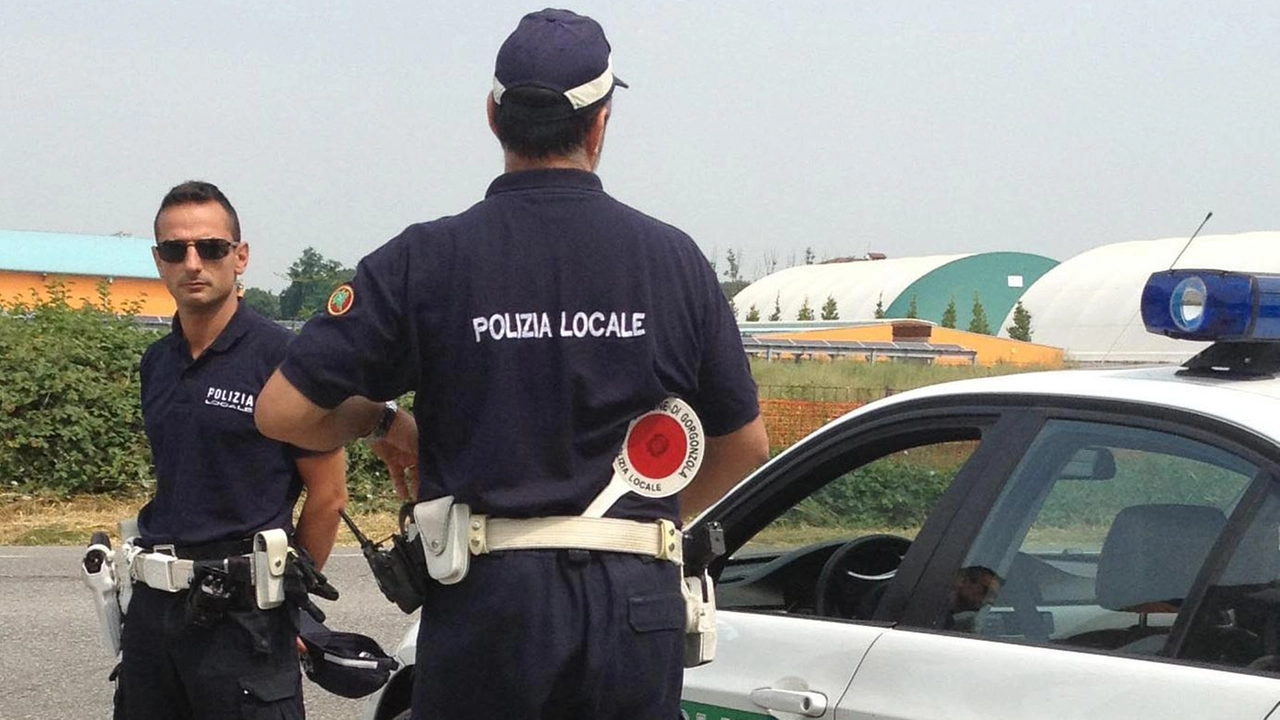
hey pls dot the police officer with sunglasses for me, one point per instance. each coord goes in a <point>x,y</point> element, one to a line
<point>201,647</point>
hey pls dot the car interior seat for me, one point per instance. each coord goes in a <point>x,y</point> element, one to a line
<point>1148,562</point>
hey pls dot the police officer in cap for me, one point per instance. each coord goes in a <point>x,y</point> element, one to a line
<point>534,328</point>
<point>197,645</point>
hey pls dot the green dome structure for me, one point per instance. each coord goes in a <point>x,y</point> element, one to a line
<point>857,286</point>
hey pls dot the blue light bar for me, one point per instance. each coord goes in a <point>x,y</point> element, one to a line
<point>1212,305</point>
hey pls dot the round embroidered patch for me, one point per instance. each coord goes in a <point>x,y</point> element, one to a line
<point>341,300</point>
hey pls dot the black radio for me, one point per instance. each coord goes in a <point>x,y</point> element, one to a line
<point>399,570</point>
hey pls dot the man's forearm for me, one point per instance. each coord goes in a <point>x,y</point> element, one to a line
<point>325,478</point>
<point>318,526</point>
<point>285,414</point>
<point>729,459</point>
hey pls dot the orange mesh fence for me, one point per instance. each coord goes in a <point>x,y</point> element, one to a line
<point>789,420</point>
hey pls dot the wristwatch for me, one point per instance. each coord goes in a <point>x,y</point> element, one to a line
<point>379,431</point>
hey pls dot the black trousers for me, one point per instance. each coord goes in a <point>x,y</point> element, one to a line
<point>245,666</point>
<point>534,634</point>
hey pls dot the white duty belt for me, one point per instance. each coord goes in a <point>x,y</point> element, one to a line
<point>160,570</point>
<point>659,539</point>
<point>660,455</point>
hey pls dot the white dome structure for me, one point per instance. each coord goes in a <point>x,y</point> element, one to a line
<point>1089,304</point>
<point>857,286</point>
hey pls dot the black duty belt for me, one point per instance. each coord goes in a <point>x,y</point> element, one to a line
<point>216,550</point>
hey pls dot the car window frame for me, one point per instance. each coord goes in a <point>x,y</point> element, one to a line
<point>926,608</point>
<point>753,505</point>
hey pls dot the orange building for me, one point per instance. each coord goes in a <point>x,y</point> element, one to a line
<point>31,261</point>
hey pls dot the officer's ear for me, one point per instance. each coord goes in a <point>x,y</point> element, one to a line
<point>242,257</point>
<point>491,110</point>
<point>595,135</point>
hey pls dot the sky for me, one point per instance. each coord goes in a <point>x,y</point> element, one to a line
<point>766,128</point>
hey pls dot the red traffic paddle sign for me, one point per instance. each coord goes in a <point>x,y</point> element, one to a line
<point>662,453</point>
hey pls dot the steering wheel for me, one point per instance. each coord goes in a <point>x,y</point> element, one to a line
<point>855,569</point>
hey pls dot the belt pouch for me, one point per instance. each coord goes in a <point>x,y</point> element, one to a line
<point>270,554</point>
<point>442,528</point>
<point>700,620</point>
<point>210,595</point>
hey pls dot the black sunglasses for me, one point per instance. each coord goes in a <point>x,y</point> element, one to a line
<point>175,251</point>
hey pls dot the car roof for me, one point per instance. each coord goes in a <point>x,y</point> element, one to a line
<point>1252,403</point>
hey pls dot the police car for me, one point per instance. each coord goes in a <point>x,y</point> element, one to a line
<point>1100,544</point>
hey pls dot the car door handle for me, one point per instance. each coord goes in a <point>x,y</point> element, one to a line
<point>809,704</point>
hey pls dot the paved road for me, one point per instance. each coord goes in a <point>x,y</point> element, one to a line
<point>54,667</point>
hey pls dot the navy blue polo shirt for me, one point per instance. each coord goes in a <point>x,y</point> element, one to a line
<point>533,327</point>
<point>217,477</point>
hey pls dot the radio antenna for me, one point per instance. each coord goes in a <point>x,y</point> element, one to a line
<point>1193,237</point>
<point>1138,312</point>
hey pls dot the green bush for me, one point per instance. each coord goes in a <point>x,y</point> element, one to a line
<point>69,415</point>
<point>70,418</point>
<point>884,494</point>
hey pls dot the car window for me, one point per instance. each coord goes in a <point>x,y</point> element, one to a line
<point>1097,538</point>
<point>1238,623</point>
<point>833,552</point>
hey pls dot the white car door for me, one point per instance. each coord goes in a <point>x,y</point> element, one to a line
<point>1138,584</point>
<point>776,666</point>
<point>912,675</point>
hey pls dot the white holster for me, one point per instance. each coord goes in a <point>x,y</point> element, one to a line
<point>270,557</point>
<point>443,527</point>
<point>700,620</point>
<point>99,573</point>
<point>124,562</point>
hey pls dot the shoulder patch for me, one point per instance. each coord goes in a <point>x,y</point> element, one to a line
<point>341,300</point>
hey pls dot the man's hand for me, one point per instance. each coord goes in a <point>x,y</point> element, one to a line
<point>399,450</point>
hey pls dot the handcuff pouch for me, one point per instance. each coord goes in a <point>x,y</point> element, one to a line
<point>443,530</point>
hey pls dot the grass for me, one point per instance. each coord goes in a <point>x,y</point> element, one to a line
<point>32,520</point>
<point>856,376</point>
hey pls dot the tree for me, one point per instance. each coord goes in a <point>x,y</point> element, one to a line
<point>879,313</point>
<point>809,257</point>
<point>776,315</point>
<point>731,288</point>
<point>829,311</point>
<point>806,312</point>
<point>949,315</point>
<point>265,302</point>
<point>770,261</point>
<point>753,313</point>
<point>312,278</point>
<point>978,324</point>
<point>912,310</point>
<point>1021,327</point>
<point>734,260</point>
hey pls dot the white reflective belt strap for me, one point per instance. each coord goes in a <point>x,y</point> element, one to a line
<point>161,571</point>
<point>659,539</point>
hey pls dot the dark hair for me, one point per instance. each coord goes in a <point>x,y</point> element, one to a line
<point>198,192</point>
<point>524,128</point>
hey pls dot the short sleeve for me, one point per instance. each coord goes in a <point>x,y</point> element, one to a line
<point>360,344</point>
<point>727,395</point>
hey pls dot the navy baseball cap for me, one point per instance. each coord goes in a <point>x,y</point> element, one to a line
<point>558,54</point>
<point>347,664</point>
